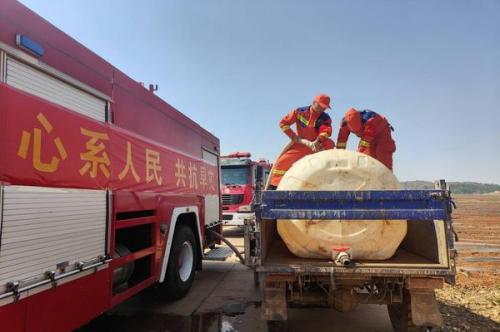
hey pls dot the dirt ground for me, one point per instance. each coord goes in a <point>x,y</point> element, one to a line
<point>224,297</point>
<point>474,303</point>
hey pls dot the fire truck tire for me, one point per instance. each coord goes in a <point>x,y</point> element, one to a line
<point>181,264</point>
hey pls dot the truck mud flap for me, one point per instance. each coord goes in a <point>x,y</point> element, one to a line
<point>274,304</point>
<point>425,309</point>
<point>424,306</point>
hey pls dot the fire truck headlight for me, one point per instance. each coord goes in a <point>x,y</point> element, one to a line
<point>245,208</point>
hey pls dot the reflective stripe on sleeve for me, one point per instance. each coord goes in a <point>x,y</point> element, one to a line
<point>285,127</point>
<point>364,144</point>
<point>278,172</point>
<point>341,145</point>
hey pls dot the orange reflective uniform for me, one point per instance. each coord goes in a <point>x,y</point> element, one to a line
<point>374,132</point>
<point>310,125</point>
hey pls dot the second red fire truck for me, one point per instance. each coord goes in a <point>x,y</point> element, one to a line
<point>240,177</point>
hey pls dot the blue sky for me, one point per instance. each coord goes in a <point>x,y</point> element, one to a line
<point>236,67</point>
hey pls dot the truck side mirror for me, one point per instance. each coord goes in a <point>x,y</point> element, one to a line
<point>259,178</point>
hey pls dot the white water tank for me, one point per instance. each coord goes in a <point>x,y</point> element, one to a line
<point>340,170</point>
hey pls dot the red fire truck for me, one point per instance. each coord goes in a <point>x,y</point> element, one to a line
<point>105,189</point>
<point>240,177</point>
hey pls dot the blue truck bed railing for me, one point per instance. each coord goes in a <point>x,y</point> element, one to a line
<point>409,205</point>
<point>415,206</point>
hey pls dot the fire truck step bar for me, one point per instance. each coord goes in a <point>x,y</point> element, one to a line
<point>218,254</point>
<point>229,244</point>
<point>16,288</point>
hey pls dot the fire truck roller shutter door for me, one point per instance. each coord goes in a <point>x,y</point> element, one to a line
<point>32,80</point>
<point>212,202</point>
<point>43,228</point>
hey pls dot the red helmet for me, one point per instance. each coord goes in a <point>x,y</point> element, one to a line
<point>353,119</point>
<point>323,100</point>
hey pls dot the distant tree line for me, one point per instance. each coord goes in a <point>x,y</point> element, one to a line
<point>455,187</point>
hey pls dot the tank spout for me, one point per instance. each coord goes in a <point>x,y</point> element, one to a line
<point>343,259</point>
<point>342,256</point>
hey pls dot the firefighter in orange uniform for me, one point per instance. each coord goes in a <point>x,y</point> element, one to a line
<point>374,132</point>
<point>314,128</point>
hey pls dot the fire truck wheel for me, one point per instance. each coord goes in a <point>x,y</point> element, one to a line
<point>181,264</point>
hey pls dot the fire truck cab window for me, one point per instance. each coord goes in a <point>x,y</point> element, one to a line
<point>235,175</point>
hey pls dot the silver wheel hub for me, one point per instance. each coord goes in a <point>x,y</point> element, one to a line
<point>186,261</point>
